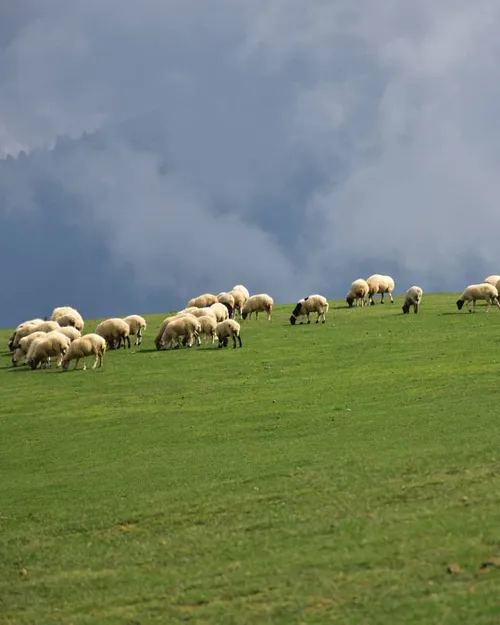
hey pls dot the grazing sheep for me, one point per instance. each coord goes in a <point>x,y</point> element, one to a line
<point>358,292</point>
<point>258,303</point>
<point>24,345</point>
<point>208,325</point>
<point>226,329</point>
<point>71,317</point>
<point>312,303</point>
<point>478,291</point>
<point>243,289</point>
<point>44,326</point>
<point>31,322</point>
<point>87,345</point>
<point>184,329</point>
<point>114,330</point>
<point>42,349</point>
<point>413,297</point>
<point>228,300</point>
<point>380,284</point>
<point>221,311</point>
<point>71,332</point>
<point>202,301</point>
<point>137,325</point>
<point>199,312</point>
<point>239,301</point>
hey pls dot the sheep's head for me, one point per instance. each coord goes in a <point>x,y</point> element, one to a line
<point>32,363</point>
<point>406,308</point>
<point>460,303</point>
<point>293,320</point>
<point>64,365</point>
<point>244,314</point>
<point>349,299</point>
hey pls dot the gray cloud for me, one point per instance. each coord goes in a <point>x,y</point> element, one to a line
<point>292,146</point>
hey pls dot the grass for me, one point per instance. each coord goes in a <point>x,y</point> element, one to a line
<point>321,474</point>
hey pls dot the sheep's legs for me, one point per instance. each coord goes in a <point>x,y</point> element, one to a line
<point>390,295</point>
<point>76,364</point>
<point>96,361</point>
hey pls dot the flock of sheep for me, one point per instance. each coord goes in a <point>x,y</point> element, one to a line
<point>211,316</point>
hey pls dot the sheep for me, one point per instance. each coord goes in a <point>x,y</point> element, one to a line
<point>186,327</point>
<point>312,303</point>
<point>243,289</point>
<point>239,301</point>
<point>474,292</point>
<point>71,332</point>
<point>24,345</point>
<point>114,330</point>
<point>71,317</point>
<point>208,325</point>
<point>163,325</point>
<point>413,297</point>
<point>137,325</point>
<point>87,345</point>
<point>380,284</point>
<point>228,300</point>
<point>221,311</point>
<point>199,312</point>
<point>34,322</point>
<point>258,303</point>
<point>42,349</point>
<point>202,301</point>
<point>44,326</point>
<point>358,292</point>
<point>226,329</point>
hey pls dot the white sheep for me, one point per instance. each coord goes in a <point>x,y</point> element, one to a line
<point>71,332</point>
<point>413,297</point>
<point>208,325</point>
<point>243,289</point>
<point>478,291</point>
<point>70,317</point>
<point>24,345</point>
<point>20,333</point>
<point>380,284</point>
<point>30,322</point>
<point>87,345</point>
<point>137,325</point>
<point>42,349</point>
<point>494,280</point>
<point>358,292</point>
<point>226,329</point>
<point>114,330</point>
<point>202,301</point>
<point>258,303</point>
<point>199,312</point>
<point>44,326</point>
<point>307,305</point>
<point>221,311</point>
<point>184,329</point>
<point>239,301</point>
<point>228,300</point>
<point>163,325</point>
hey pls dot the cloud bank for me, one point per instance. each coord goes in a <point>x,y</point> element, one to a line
<point>153,150</point>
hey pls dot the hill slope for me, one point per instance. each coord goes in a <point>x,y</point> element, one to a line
<point>321,473</point>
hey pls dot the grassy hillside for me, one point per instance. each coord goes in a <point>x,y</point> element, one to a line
<point>323,473</point>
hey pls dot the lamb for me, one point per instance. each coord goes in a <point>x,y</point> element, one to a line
<point>239,301</point>
<point>42,349</point>
<point>243,289</point>
<point>258,303</point>
<point>202,301</point>
<point>226,329</point>
<point>380,284</point>
<point>187,328</point>
<point>228,300</point>
<point>137,325</point>
<point>71,317</point>
<point>221,311</point>
<point>413,297</point>
<point>478,291</point>
<point>114,330</point>
<point>208,326</point>
<point>24,345</point>
<point>312,303</point>
<point>358,292</point>
<point>87,345</point>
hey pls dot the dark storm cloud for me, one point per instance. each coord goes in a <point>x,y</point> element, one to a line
<point>291,146</point>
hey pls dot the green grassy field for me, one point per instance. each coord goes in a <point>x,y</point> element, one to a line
<point>323,473</point>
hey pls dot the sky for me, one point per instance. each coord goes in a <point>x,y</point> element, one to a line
<point>153,150</point>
